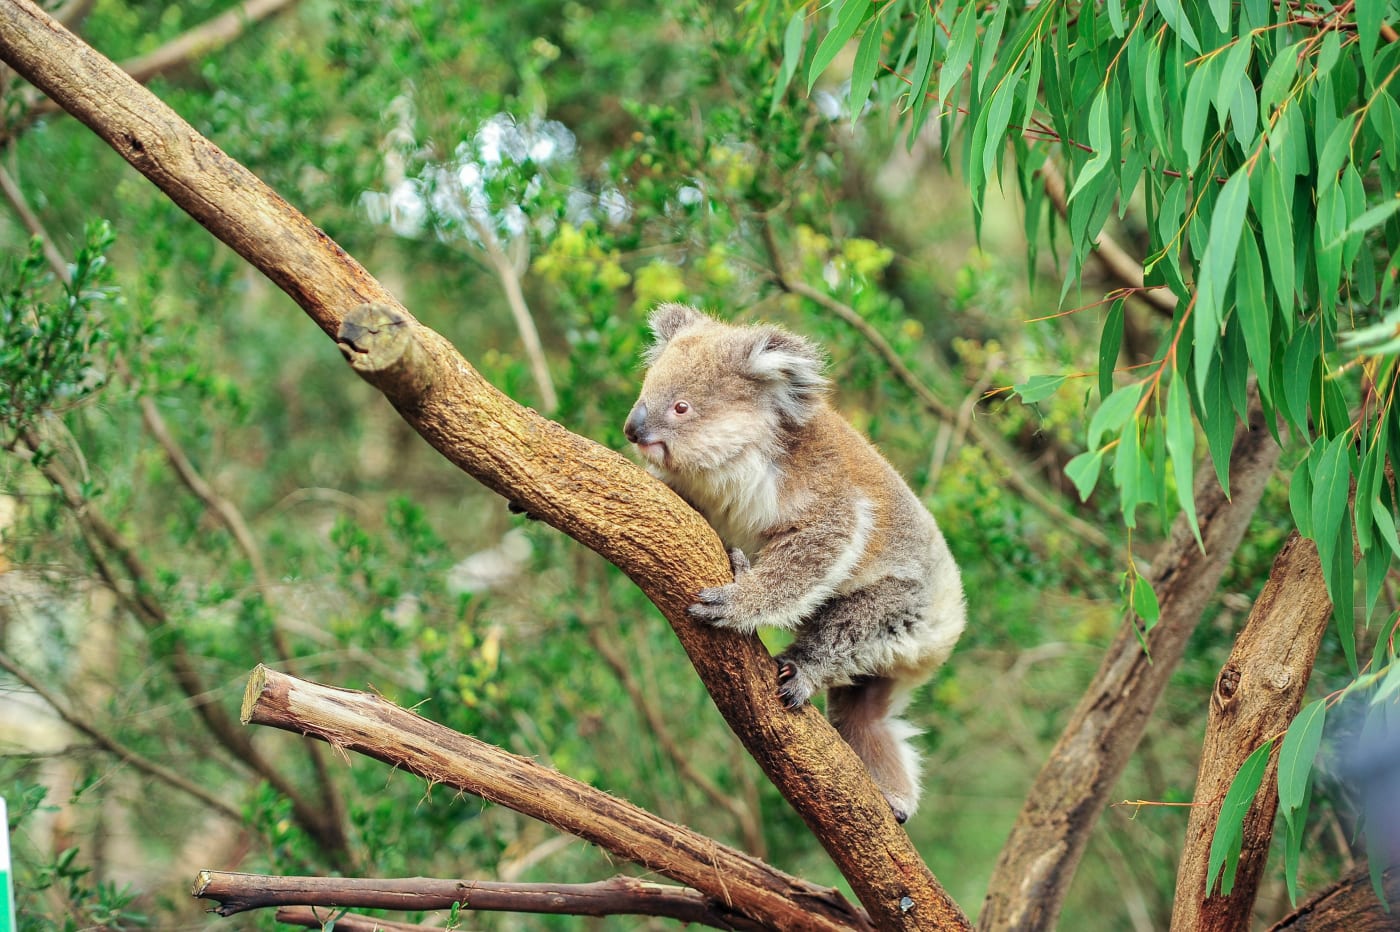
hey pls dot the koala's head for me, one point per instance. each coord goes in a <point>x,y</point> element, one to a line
<point>713,390</point>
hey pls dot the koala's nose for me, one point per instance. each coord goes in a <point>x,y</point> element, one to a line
<point>632,430</point>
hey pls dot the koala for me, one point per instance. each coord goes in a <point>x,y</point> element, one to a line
<point>735,419</point>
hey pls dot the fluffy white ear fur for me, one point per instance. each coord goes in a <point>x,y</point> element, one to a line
<point>666,321</point>
<point>791,367</point>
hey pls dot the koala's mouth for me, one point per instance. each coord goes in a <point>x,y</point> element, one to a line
<point>654,451</point>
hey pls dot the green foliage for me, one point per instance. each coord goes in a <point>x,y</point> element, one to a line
<point>1224,126</point>
<point>680,159</point>
<point>61,877</point>
<point>51,337</point>
<point>1229,830</point>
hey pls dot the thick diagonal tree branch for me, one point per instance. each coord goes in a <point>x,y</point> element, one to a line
<point>1256,695</point>
<point>591,493</point>
<point>178,52</point>
<point>1039,859</point>
<point>375,727</point>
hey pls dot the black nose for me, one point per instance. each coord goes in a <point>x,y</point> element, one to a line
<point>632,430</point>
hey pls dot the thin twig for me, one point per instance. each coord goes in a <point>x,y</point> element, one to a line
<point>656,722</point>
<point>116,748</point>
<point>230,515</point>
<point>508,274</point>
<point>35,226</point>
<point>138,599</point>
<point>325,917</point>
<point>232,519</point>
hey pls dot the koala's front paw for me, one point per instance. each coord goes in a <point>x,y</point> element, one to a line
<point>717,605</point>
<point>795,687</point>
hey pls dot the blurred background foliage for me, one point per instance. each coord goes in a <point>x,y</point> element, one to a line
<point>582,163</point>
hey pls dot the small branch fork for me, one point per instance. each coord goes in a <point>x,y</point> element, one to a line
<point>730,880</point>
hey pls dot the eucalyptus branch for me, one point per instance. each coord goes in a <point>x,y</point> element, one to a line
<point>1258,692</point>
<point>178,52</point>
<point>1350,904</point>
<point>367,724</point>
<point>114,747</point>
<point>616,896</point>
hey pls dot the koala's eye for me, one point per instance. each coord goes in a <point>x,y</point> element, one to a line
<point>681,407</point>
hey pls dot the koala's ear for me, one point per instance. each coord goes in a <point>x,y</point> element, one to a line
<point>668,320</point>
<point>791,367</point>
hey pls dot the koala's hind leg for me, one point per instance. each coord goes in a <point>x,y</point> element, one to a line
<point>864,714</point>
<point>865,633</point>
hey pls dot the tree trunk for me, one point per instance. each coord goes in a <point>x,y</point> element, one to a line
<point>1033,873</point>
<point>1257,694</point>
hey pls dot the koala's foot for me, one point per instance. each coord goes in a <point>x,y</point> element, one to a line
<point>900,815</point>
<point>795,687</point>
<point>901,804</point>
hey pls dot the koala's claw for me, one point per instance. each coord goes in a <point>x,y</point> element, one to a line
<point>715,604</point>
<point>792,689</point>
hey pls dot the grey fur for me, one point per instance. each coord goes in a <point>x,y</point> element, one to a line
<point>736,420</point>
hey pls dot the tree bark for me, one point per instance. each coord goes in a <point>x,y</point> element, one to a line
<point>1257,694</point>
<point>369,725</point>
<point>1349,905</point>
<point>616,896</point>
<point>591,493</point>
<point>319,919</point>
<point>1034,870</point>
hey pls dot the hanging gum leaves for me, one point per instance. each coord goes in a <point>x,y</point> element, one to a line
<point>1258,152</point>
<point>1229,830</point>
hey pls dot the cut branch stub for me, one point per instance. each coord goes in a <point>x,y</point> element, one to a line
<point>381,343</point>
<point>375,727</point>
